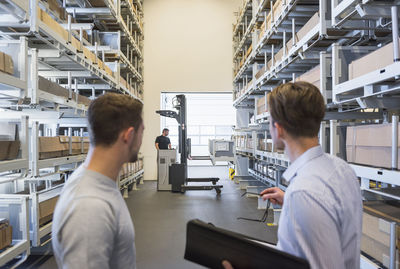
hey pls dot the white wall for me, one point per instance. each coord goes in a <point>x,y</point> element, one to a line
<point>187,47</point>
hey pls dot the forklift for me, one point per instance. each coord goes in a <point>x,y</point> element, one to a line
<point>177,172</point>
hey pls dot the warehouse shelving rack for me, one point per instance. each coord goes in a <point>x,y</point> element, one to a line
<point>62,51</point>
<point>339,33</point>
<point>15,208</point>
<point>130,182</point>
<point>21,163</point>
<point>57,71</point>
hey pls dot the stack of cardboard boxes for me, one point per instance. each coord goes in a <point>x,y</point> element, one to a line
<point>314,20</point>
<point>57,28</point>
<point>248,52</point>
<point>5,233</point>
<point>240,141</point>
<point>266,145</point>
<point>131,168</point>
<point>58,146</point>
<point>271,17</point>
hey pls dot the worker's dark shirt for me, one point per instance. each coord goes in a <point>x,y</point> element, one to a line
<point>163,142</point>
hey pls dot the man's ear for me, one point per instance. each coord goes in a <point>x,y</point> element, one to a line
<point>280,131</point>
<point>128,134</point>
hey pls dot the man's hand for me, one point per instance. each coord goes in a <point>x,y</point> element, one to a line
<point>226,265</point>
<point>275,195</point>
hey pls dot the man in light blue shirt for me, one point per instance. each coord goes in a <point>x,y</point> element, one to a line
<point>321,217</point>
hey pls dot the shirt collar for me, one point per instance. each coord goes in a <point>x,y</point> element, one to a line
<point>102,178</point>
<point>307,156</point>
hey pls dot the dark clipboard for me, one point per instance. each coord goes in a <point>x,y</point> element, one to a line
<point>208,245</point>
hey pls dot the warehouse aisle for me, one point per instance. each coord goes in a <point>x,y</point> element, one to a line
<point>160,220</point>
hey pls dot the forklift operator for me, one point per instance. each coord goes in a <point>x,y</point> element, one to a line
<point>162,141</point>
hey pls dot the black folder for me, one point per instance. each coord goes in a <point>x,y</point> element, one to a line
<point>208,245</point>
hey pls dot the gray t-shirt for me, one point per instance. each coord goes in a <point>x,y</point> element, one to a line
<point>92,227</point>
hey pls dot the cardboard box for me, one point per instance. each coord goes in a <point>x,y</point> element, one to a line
<point>86,52</point>
<point>380,58</point>
<point>50,147</point>
<point>270,146</point>
<point>4,145</point>
<point>370,145</point>
<point>277,8</point>
<point>86,144</point>
<point>261,144</point>
<point>123,82</point>
<point>279,56</point>
<point>108,70</point>
<point>53,88</point>
<point>76,145</point>
<point>84,100</point>
<point>9,150</point>
<point>311,23</point>
<point>55,7</point>
<point>93,58</point>
<point>312,76</point>
<point>76,43</point>
<point>249,144</point>
<point>13,150</point>
<point>8,64</point>
<point>46,210</point>
<point>100,64</point>
<point>375,240</point>
<point>2,61</point>
<point>249,51</point>
<point>261,105</point>
<point>45,18</point>
<point>5,235</point>
<point>265,26</point>
<point>260,72</point>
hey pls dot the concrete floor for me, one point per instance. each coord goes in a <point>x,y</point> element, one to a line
<point>160,220</point>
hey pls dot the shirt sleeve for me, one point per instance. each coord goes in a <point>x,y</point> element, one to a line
<point>169,141</point>
<point>87,237</point>
<point>158,140</point>
<point>311,232</point>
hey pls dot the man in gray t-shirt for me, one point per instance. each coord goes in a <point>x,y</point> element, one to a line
<point>92,227</point>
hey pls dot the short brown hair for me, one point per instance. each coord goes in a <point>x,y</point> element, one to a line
<point>299,107</point>
<point>110,114</point>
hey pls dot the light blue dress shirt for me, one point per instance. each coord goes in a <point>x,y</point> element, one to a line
<point>321,218</point>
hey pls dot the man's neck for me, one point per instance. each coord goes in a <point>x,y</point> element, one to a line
<point>105,161</point>
<point>294,148</point>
